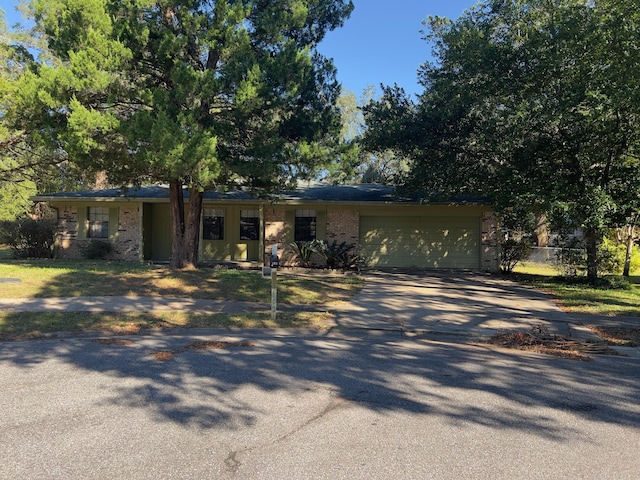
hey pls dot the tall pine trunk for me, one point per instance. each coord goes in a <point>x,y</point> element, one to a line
<point>185,229</point>
<point>192,227</point>
<point>629,251</point>
<point>592,238</point>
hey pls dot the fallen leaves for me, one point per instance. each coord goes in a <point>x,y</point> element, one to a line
<point>539,340</point>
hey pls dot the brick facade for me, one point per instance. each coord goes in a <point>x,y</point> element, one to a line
<point>126,245</point>
<point>490,254</point>
<point>343,226</point>
<point>274,231</point>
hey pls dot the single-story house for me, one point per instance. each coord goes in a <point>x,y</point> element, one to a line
<point>386,229</point>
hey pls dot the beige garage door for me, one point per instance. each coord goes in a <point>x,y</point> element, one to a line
<point>412,241</point>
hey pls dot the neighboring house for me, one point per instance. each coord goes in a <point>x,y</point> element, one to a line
<point>385,229</point>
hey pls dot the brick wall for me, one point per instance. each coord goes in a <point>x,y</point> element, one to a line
<point>343,226</point>
<point>274,230</point>
<point>126,246</point>
<point>67,232</point>
<point>490,261</point>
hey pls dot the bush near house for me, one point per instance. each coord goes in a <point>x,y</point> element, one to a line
<point>335,255</point>
<point>28,238</point>
<point>98,250</point>
<point>512,252</point>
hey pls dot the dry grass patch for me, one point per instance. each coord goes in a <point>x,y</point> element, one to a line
<point>112,341</point>
<point>52,278</point>
<point>29,325</point>
<point>164,355</point>
<point>217,344</point>
<point>618,336</point>
<point>538,340</point>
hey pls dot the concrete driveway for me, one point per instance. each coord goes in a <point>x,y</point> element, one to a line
<point>458,303</point>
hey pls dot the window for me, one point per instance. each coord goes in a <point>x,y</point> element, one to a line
<point>249,225</point>
<point>98,222</point>
<point>213,224</point>
<point>305,226</point>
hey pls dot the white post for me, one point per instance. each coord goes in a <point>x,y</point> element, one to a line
<point>274,282</point>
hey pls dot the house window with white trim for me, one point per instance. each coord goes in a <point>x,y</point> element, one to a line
<point>98,222</point>
<point>305,225</point>
<point>213,224</point>
<point>249,225</point>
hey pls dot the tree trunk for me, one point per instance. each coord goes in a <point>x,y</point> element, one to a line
<point>185,231</point>
<point>192,228</point>
<point>541,231</point>
<point>592,237</point>
<point>629,245</point>
<point>176,206</point>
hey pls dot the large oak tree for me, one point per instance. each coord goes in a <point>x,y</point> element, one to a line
<point>195,93</point>
<point>533,103</point>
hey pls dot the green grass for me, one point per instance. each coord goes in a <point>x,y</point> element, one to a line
<point>52,278</point>
<point>5,253</point>
<point>30,325</point>
<point>575,295</point>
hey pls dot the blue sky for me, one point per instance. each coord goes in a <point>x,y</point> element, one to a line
<point>380,43</point>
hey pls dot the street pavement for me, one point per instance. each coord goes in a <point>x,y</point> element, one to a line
<point>395,390</point>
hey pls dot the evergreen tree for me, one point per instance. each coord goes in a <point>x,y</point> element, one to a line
<point>198,94</point>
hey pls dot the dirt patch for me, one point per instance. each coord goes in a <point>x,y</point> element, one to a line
<point>539,340</point>
<point>217,344</point>
<point>200,345</point>
<point>165,354</point>
<point>618,336</point>
<point>112,341</point>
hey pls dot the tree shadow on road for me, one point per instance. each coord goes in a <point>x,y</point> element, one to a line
<point>383,372</point>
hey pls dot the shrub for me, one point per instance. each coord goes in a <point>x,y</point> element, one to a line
<point>98,250</point>
<point>29,238</point>
<point>303,252</point>
<point>512,252</point>
<point>338,255</point>
<point>571,259</point>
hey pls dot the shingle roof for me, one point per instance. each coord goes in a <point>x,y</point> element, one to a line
<point>312,192</point>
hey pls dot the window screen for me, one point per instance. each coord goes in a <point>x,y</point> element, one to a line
<point>213,224</point>
<point>249,225</point>
<point>305,226</point>
<point>98,222</point>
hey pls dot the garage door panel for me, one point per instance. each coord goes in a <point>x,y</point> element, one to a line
<point>420,242</point>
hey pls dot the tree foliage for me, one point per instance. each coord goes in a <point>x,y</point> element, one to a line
<point>356,163</point>
<point>532,103</point>
<point>195,93</point>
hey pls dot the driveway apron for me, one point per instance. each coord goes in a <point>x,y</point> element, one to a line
<point>453,302</point>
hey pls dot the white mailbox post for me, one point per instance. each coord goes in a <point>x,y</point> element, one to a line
<point>274,262</point>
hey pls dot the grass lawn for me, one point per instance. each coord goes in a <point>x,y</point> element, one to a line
<point>52,278</point>
<point>579,297</point>
<point>29,325</point>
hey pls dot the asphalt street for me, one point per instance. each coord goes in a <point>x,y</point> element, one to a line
<point>301,405</point>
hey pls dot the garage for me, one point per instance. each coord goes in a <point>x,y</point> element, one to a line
<point>420,241</point>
